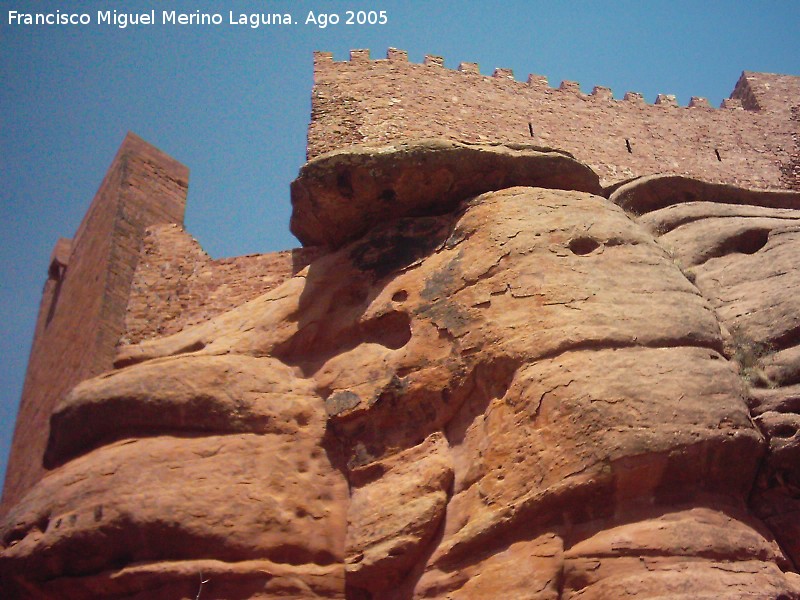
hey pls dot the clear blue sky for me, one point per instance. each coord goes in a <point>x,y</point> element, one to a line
<point>233,103</point>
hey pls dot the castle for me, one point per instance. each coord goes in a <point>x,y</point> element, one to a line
<point>131,275</point>
<point>751,141</point>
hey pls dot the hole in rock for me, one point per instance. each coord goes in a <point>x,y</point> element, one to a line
<point>392,330</point>
<point>748,241</point>
<point>14,536</point>
<point>400,296</point>
<point>344,184</point>
<point>193,347</point>
<point>751,241</point>
<point>388,195</point>
<point>784,431</point>
<point>43,523</point>
<point>583,245</point>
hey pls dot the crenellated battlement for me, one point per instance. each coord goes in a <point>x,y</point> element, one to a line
<point>748,141</point>
<point>393,55</point>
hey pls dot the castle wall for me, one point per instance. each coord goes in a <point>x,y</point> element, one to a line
<point>177,285</point>
<point>380,101</point>
<point>86,294</point>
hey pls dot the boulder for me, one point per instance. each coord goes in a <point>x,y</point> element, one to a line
<point>340,195</point>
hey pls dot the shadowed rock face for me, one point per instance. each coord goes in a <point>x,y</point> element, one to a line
<point>342,194</point>
<point>522,393</point>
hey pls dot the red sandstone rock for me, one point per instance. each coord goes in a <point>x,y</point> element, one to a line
<point>696,553</point>
<point>741,252</point>
<point>396,507</point>
<point>182,489</point>
<point>341,195</point>
<point>522,398</point>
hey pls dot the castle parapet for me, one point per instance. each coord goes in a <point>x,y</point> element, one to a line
<point>747,142</point>
<point>666,100</point>
<point>743,91</point>
<point>698,102</point>
<point>602,93</point>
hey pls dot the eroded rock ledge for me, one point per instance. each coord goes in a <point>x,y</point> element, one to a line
<point>477,393</point>
<point>340,195</point>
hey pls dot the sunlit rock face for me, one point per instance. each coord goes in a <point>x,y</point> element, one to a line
<point>523,392</point>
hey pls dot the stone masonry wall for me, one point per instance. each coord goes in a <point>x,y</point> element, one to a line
<point>791,170</point>
<point>380,101</point>
<point>86,294</point>
<point>177,285</point>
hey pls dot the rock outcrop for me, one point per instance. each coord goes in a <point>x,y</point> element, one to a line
<point>342,194</point>
<point>740,248</point>
<point>497,384</point>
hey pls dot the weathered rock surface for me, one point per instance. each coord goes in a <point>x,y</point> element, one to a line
<point>646,194</point>
<point>210,466</point>
<point>522,395</point>
<point>340,195</point>
<point>396,507</point>
<point>696,553</point>
<point>740,248</point>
